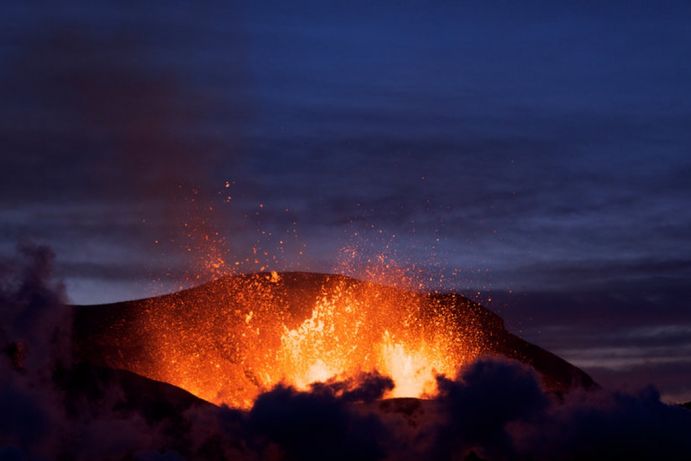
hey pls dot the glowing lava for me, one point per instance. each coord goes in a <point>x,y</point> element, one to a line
<point>242,335</point>
<point>350,332</point>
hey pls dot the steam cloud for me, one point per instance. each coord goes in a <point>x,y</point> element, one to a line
<point>495,409</point>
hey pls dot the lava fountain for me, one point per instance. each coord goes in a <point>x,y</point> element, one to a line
<point>231,339</point>
<point>351,331</point>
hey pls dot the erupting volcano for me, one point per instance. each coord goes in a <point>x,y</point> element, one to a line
<point>238,336</point>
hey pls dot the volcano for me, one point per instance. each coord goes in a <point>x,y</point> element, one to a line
<point>231,339</point>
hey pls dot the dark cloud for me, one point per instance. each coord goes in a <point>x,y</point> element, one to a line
<point>604,273</point>
<point>497,409</point>
<point>627,305</point>
<point>609,426</point>
<point>479,406</point>
<point>309,425</point>
<point>35,340</point>
<point>36,323</point>
<point>367,387</point>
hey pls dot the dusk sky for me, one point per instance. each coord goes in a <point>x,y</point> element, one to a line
<point>534,152</point>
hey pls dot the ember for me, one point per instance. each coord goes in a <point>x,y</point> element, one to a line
<point>243,335</point>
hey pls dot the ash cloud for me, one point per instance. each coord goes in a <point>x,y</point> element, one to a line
<point>308,425</point>
<point>607,426</point>
<point>33,335</point>
<point>497,410</point>
<point>481,403</point>
<point>367,387</point>
<point>35,321</point>
<point>38,419</point>
<point>110,145</point>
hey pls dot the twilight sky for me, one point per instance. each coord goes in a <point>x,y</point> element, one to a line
<point>537,153</point>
